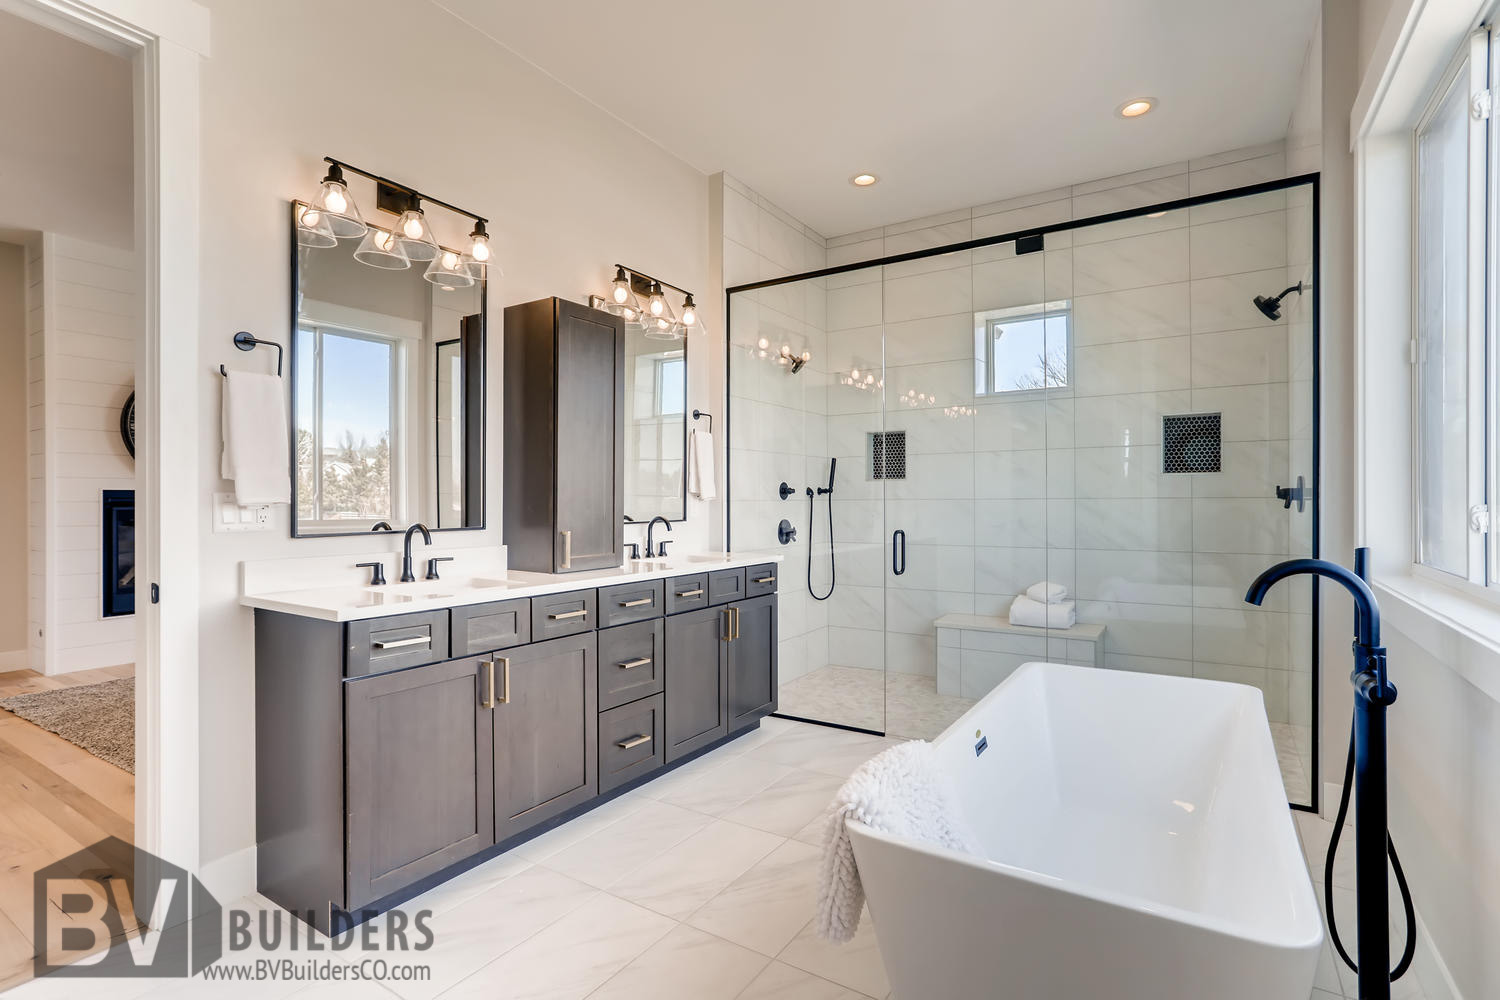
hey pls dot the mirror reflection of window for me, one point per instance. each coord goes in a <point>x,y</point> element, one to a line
<point>450,435</point>
<point>656,427</point>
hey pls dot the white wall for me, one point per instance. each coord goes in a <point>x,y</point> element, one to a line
<point>84,358</point>
<point>13,448</point>
<point>569,190</point>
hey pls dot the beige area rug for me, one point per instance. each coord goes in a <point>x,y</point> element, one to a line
<point>98,717</point>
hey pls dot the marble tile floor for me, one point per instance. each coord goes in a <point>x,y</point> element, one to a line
<point>909,706</point>
<point>698,886</point>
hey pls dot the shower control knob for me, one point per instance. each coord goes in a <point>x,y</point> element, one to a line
<point>785,533</point>
<point>785,491</point>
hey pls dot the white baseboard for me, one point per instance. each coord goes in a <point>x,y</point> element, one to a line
<point>1430,970</point>
<point>231,877</point>
<point>15,659</point>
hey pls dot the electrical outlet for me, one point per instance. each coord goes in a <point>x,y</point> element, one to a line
<point>229,515</point>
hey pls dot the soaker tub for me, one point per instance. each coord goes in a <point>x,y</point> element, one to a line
<point>1135,844</point>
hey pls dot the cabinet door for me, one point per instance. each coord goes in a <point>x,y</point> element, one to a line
<point>590,439</point>
<point>752,661</point>
<point>420,781</point>
<point>696,696</point>
<point>546,731</point>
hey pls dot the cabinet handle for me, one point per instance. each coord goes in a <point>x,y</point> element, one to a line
<point>736,622</point>
<point>489,695</point>
<point>638,604</point>
<point>634,741</point>
<point>567,559</point>
<point>692,593</point>
<point>421,640</point>
<point>562,616</point>
<point>766,579</point>
<point>505,673</point>
<point>644,661</point>
<point>728,625</point>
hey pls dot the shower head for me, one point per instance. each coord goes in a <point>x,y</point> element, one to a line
<point>797,364</point>
<point>1272,306</point>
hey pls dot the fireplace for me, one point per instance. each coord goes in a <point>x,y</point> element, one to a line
<point>118,582</point>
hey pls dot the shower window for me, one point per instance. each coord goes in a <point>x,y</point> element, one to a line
<point>1022,349</point>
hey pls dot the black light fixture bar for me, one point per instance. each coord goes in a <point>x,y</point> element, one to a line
<point>640,282</point>
<point>410,192</point>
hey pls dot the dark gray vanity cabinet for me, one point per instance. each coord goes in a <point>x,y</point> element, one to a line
<point>546,731</point>
<point>564,437</point>
<point>420,775</point>
<point>752,661</point>
<point>697,706</point>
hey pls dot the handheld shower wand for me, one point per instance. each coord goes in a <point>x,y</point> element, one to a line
<point>1365,776</point>
<point>833,573</point>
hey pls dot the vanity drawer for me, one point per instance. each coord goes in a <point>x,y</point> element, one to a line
<point>630,662</point>
<point>687,593</point>
<point>761,580</point>
<point>480,628</point>
<point>630,741</point>
<point>726,585</point>
<point>376,645</point>
<point>630,602</point>
<point>557,615</point>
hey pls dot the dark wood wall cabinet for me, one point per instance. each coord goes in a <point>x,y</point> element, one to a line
<point>564,437</point>
<point>394,752</point>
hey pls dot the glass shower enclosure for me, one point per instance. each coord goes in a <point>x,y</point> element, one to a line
<point>1121,406</point>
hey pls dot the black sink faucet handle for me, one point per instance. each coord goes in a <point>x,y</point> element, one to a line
<point>661,548</point>
<point>635,549</point>
<point>432,573</point>
<point>377,572</point>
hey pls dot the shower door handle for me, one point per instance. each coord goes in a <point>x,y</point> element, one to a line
<point>898,552</point>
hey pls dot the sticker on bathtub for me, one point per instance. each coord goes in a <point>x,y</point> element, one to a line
<point>982,745</point>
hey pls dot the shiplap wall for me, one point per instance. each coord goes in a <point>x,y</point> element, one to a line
<point>84,329</point>
<point>36,457</point>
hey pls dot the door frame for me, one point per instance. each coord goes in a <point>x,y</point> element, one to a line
<point>165,41</point>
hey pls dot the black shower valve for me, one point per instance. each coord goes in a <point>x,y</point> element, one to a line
<point>785,533</point>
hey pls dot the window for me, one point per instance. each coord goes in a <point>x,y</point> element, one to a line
<point>671,385</point>
<point>349,424</point>
<point>1453,408</point>
<point>1022,349</point>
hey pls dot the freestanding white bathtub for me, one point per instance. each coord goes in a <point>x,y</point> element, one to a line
<point>1135,844</point>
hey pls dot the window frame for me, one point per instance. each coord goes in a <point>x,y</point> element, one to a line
<point>1043,311</point>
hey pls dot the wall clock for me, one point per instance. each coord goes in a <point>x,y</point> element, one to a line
<point>127,424</point>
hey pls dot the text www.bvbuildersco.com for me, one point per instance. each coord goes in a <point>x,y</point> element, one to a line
<point>318,971</point>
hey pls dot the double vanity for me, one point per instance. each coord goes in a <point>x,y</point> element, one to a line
<point>405,733</point>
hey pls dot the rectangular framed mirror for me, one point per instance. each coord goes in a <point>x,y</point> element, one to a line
<point>388,396</point>
<point>655,426</point>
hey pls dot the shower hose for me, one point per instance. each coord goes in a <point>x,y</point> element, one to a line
<point>1333,846</point>
<point>833,570</point>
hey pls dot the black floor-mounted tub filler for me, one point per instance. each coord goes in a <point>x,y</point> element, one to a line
<point>1365,776</point>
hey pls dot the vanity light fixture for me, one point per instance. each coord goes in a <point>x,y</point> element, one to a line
<point>1135,108</point>
<point>380,249</point>
<point>689,311</point>
<point>478,257</point>
<point>641,299</point>
<point>337,205</point>
<point>449,270</point>
<point>314,228</point>
<point>622,292</point>
<point>414,235</point>
<point>657,303</point>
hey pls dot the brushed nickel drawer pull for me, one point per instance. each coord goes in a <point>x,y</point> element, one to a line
<point>638,604</point>
<point>766,579</point>
<point>644,661</point>
<point>505,668</point>
<point>489,697</point>
<point>567,559</point>
<point>421,640</point>
<point>634,741</point>
<point>562,616</point>
<point>692,593</point>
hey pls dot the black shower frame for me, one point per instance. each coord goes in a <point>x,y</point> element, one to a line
<point>1311,180</point>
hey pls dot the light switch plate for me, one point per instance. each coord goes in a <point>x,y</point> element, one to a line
<point>229,514</point>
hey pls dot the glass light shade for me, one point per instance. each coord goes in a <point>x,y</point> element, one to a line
<point>313,228</point>
<point>689,312</point>
<point>414,235</point>
<point>665,326</point>
<point>449,270</point>
<point>657,304</point>
<point>380,249</point>
<point>338,206</point>
<point>622,292</point>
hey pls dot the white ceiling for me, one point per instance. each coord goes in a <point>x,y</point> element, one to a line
<point>66,138</point>
<point>952,103</point>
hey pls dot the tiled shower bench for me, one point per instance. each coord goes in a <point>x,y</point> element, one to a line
<point>977,652</point>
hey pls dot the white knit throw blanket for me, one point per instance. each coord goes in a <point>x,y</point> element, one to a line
<point>899,792</point>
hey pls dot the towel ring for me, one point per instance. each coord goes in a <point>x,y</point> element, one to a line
<point>710,416</point>
<point>246,341</point>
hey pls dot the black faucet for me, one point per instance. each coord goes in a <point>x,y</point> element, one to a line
<point>407,576</point>
<point>649,529</point>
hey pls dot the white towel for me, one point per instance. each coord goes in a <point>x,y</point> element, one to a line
<point>700,471</point>
<point>1025,611</point>
<point>1047,592</point>
<point>901,792</point>
<point>255,439</point>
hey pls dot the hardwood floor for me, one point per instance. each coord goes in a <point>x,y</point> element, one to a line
<point>56,799</point>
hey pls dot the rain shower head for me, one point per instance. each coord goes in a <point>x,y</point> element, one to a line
<point>1272,306</point>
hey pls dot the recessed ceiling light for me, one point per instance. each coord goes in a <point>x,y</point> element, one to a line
<point>863,180</point>
<point>1136,108</point>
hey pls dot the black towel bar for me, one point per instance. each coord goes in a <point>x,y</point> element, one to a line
<point>247,342</point>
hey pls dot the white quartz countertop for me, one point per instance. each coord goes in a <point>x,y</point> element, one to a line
<point>353,601</point>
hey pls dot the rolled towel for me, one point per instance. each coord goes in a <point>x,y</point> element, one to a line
<point>1047,592</point>
<point>1025,611</point>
